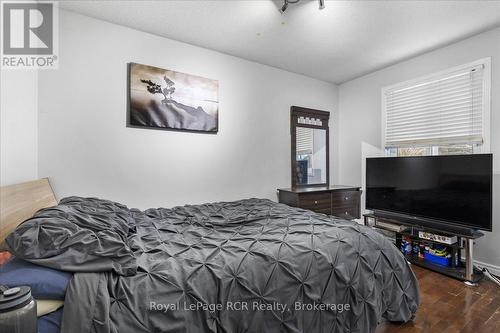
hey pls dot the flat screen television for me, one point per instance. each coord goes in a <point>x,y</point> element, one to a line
<point>453,190</point>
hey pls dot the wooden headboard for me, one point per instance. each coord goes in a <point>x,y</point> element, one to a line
<point>20,201</point>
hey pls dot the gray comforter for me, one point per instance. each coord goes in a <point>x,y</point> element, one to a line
<point>245,266</point>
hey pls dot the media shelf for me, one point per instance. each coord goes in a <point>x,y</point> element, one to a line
<point>456,245</point>
<point>459,269</point>
<point>454,272</point>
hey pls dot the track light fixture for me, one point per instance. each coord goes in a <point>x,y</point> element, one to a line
<point>287,2</point>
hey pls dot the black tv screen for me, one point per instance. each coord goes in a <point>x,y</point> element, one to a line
<point>456,189</point>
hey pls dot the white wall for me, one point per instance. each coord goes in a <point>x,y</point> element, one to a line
<point>86,148</point>
<point>360,115</point>
<point>18,126</point>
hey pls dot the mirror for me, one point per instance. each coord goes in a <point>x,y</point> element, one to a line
<point>310,147</point>
<point>310,156</point>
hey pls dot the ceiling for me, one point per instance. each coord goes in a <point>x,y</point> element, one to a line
<point>345,40</point>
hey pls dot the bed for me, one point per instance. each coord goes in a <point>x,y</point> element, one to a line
<point>245,266</point>
<point>17,203</point>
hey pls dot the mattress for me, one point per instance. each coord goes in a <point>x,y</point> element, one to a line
<point>245,266</point>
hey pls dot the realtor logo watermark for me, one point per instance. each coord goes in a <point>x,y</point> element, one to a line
<point>29,34</point>
<point>249,306</point>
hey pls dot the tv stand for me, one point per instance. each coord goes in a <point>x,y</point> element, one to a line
<point>462,268</point>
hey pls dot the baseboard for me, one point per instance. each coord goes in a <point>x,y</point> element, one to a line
<point>495,270</point>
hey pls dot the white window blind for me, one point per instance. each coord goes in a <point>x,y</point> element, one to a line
<point>443,109</point>
<point>304,140</point>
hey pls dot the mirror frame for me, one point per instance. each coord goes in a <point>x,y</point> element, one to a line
<point>297,112</point>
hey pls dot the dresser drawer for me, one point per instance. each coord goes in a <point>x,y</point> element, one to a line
<point>345,198</point>
<point>316,202</point>
<point>346,204</point>
<point>348,213</point>
<point>341,201</point>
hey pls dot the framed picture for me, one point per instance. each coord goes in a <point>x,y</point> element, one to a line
<point>165,99</point>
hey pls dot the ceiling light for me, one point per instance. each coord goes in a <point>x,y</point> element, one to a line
<point>285,6</point>
<point>287,2</point>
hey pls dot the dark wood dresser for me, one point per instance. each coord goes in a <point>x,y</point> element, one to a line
<point>337,200</point>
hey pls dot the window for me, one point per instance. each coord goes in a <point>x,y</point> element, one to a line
<point>458,149</point>
<point>443,113</point>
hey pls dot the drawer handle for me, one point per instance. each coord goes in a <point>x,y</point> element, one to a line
<point>346,213</point>
<point>346,198</point>
<point>315,202</point>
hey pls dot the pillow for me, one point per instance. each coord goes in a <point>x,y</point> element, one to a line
<point>45,283</point>
<point>78,235</point>
<point>46,306</point>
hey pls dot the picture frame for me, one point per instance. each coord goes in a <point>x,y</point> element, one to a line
<point>169,100</point>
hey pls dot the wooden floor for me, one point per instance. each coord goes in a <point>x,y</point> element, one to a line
<point>448,305</point>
